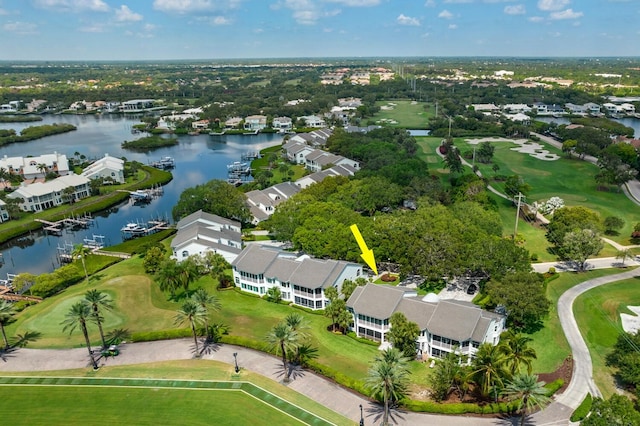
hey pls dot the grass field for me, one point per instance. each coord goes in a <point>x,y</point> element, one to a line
<point>598,315</point>
<point>404,113</point>
<point>122,396</point>
<point>550,343</point>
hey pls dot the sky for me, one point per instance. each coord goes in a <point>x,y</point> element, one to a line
<point>229,29</point>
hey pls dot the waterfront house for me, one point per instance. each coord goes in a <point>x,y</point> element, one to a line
<point>485,108</point>
<point>233,123</point>
<point>107,168</point>
<point>313,121</point>
<point>445,325</point>
<point>296,151</point>
<point>282,124</point>
<point>301,280</point>
<point>317,138</point>
<point>342,170</point>
<point>36,167</point>
<point>200,125</point>
<point>592,108</point>
<point>137,105</point>
<point>44,195</point>
<point>202,232</point>
<point>255,122</point>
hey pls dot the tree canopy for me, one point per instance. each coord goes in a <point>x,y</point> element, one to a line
<point>216,197</point>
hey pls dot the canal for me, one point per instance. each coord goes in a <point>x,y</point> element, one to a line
<point>198,159</point>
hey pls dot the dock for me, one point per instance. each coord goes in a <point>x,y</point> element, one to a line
<point>165,163</point>
<point>136,229</point>
<point>55,228</point>
<point>250,156</point>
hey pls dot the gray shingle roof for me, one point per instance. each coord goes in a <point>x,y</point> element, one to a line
<point>377,301</point>
<point>255,259</point>
<point>194,217</point>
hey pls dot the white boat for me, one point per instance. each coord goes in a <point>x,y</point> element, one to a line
<point>133,228</point>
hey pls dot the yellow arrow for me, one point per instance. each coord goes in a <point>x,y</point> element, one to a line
<point>367,253</point>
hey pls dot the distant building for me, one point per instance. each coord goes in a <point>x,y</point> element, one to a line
<point>255,122</point>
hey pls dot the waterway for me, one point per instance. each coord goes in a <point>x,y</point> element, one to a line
<point>634,123</point>
<point>198,159</point>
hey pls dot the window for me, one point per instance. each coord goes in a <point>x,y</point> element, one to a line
<point>185,253</point>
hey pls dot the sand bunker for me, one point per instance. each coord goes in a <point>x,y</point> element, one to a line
<point>631,323</point>
<point>534,149</point>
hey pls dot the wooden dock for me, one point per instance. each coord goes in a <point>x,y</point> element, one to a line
<point>55,228</point>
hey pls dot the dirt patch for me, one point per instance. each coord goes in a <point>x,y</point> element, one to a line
<point>563,372</point>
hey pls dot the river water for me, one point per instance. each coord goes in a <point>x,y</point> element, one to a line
<point>198,159</point>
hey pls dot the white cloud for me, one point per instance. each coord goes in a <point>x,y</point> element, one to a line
<point>407,20</point>
<point>430,3</point>
<point>23,28</point>
<point>149,27</point>
<point>517,9</point>
<point>452,26</point>
<point>355,3</point>
<point>550,5</point>
<point>73,5</point>
<point>220,20</point>
<point>191,6</point>
<point>307,12</point>
<point>566,14</point>
<point>124,14</point>
<point>93,28</point>
<point>536,19</point>
<point>445,14</point>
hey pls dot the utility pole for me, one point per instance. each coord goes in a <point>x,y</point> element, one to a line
<point>515,231</point>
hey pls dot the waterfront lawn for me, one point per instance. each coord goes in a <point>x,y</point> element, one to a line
<point>572,180</point>
<point>404,113</point>
<point>598,315</point>
<point>195,370</point>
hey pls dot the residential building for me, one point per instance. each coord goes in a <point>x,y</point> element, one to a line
<point>317,177</point>
<point>485,108</point>
<point>36,167</point>
<point>282,124</point>
<point>202,232</point>
<point>301,280</point>
<point>233,123</point>
<point>445,325</point>
<point>262,202</point>
<point>313,121</point>
<point>137,105</point>
<point>200,125</point>
<point>106,168</point>
<point>44,195</point>
<point>296,151</point>
<point>255,122</point>
<point>317,138</point>
<point>592,108</point>
<point>516,108</point>
<point>575,109</point>
<point>519,118</point>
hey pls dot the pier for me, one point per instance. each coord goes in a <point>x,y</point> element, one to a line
<point>144,195</point>
<point>238,172</point>
<point>164,163</point>
<point>55,228</point>
<point>250,156</point>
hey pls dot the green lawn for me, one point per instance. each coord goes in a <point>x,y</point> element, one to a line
<point>570,179</point>
<point>598,315</point>
<point>550,343</point>
<point>144,401</point>
<point>403,113</point>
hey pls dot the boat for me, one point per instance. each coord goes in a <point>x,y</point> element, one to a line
<point>140,194</point>
<point>133,228</point>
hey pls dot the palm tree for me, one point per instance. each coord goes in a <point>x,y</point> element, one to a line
<point>81,252</point>
<point>624,255</point>
<point>388,378</point>
<point>42,168</point>
<point>97,300</point>
<point>515,347</point>
<point>167,276</point>
<point>297,323</point>
<point>283,339</point>
<point>187,272</point>
<point>194,314</point>
<point>7,312</point>
<point>206,301</point>
<point>488,368</point>
<point>78,315</point>
<point>529,392</point>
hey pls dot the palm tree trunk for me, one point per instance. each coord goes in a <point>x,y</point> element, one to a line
<point>385,415</point>
<point>284,361</point>
<point>4,336</point>
<point>195,337</point>
<point>96,314</point>
<point>524,410</point>
<point>84,266</point>
<point>86,339</point>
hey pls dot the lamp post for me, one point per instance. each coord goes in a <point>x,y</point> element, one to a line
<point>235,359</point>
<point>361,416</point>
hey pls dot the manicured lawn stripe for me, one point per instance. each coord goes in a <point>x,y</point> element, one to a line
<point>246,387</point>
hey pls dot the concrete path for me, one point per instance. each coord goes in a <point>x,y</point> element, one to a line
<point>596,263</point>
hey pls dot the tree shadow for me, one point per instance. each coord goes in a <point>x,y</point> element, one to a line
<point>7,353</point>
<point>208,346</point>
<point>376,411</point>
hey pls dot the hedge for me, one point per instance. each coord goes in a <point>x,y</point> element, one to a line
<point>583,409</point>
<point>362,339</point>
<point>554,386</point>
<point>148,336</point>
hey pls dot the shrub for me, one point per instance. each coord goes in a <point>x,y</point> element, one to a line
<point>148,336</point>
<point>583,409</point>
<point>362,339</point>
<point>554,386</point>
